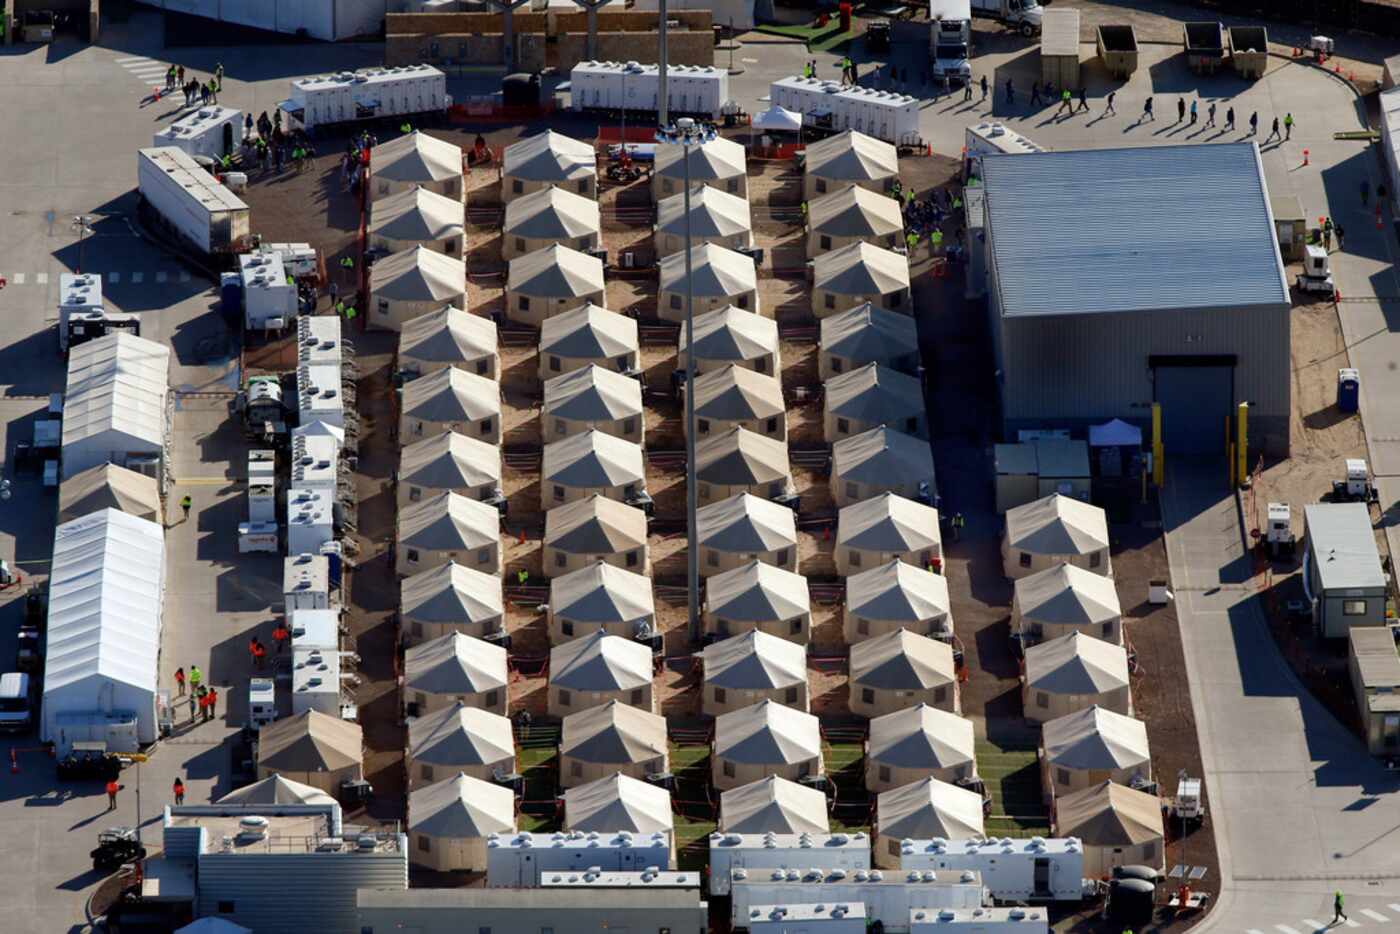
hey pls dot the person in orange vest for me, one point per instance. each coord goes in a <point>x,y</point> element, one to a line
<point>256,652</point>
<point>213,703</point>
<point>178,789</point>
<point>112,789</point>
<point>280,635</point>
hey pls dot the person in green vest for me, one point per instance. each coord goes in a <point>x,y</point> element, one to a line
<point>350,313</point>
<point>911,240</point>
<point>935,240</point>
<point>347,262</point>
<point>1066,102</point>
<point>340,309</point>
<point>405,127</point>
<point>185,504</point>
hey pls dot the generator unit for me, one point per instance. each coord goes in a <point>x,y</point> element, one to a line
<point>269,294</point>
<point>730,851</point>
<point>522,860</point>
<point>888,897</point>
<point>980,921</point>
<point>1279,536</point>
<point>691,90</point>
<point>1037,869</point>
<point>306,583</point>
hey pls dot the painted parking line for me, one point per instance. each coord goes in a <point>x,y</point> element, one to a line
<point>137,278</point>
<point>162,276</point>
<point>42,278</point>
<point>1375,916</point>
<point>1352,923</point>
<point>114,277</point>
<point>19,278</point>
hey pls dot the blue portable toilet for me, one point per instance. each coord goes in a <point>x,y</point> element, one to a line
<point>1348,389</point>
<point>231,298</point>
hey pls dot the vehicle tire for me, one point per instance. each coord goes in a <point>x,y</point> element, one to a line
<point>1027,30</point>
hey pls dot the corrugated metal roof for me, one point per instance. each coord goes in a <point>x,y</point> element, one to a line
<point>1113,230</point>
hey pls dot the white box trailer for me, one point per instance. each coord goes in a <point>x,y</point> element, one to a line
<point>299,259</point>
<point>116,730</point>
<point>319,395</point>
<point>318,339</point>
<point>306,583</point>
<point>315,461</point>
<point>521,860</point>
<point>269,299</point>
<point>209,131</point>
<point>366,94</point>
<point>884,115</point>
<point>316,681</point>
<point>730,851</point>
<point>807,96</point>
<point>822,918</point>
<point>979,921</point>
<point>79,296</point>
<point>262,702</point>
<point>190,202</point>
<point>653,878</point>
<point>318,629</point>
<point>1037,869</point>
<point>691,90</point>
<point>310,520</point>
<point>888,897</point>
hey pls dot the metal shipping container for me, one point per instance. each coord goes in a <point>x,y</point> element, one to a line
<point>192,203</point>
<point>1059,49</point>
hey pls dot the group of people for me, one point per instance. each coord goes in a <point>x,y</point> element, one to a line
<point>273,148</point>
<point>202,697</point>
<point>849,74</point>
<point>205,92</point>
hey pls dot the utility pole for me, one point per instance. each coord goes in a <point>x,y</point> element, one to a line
<point>663,109</point>
<point>592,7</point>
<point>508,8</point>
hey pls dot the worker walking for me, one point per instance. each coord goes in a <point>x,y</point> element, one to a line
<point>179,682</point>
<point>1254,123</point>
<point>280,636</point>
<point>1288,126</point>
<point>1210,114</point>
<point>1147,112</point>
<point>1083,100</point>
<point>984,87</point>
<point>213,703</point>
<point>219,76</point>
<point>1337,913</point>
<point>1035,93</point>
<point>1010,92</point>
<point>967,90</point>
<point>113,788</point>
<point>1229,118</point>
<point>522,576</point>
<point>178,790</point>
<point>1108,105</point>
<point>196,677</point>
<point>180,74</point>
<point>185,504</point>
<point>958,523</point>
<point>1180,109</point>
<point>257,652</point>
<point>194,705</point>
<point>1066,102</point>
<point>1193,113</point>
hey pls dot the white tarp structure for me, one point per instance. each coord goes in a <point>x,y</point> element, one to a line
<point>416,159</point>
<point>1053,530</point>
<point>765,739</point>
<point>277,790</point>
<point>546,159</point>
<point>719,163</point>
<point>104,626</point>
<point>595,529</point>
<point>853,215</point>
<point>449,528</point>
<point>449,822</point>
<point>1084,748</point>
<point>329,21</point>
<point>871,396</point>
<point>115,406</point>
<point>773,805</point>
<point>719,277</point>
<point>314,748</point>
<point>618,803</point>
<point>451,400</point>
<point>1073,672</point>
<point>737,530</point>
<point>413,282</point>
<point>417,216</point>
<point>550,215</point>
<point>897,595</point>
<point>449,461</point>
<point>550,281</point>
<point>857,273</point>
<point>450,337</point>
<point>1064,599</point>
<point>906,745</point>
<point>753,667</point>
<point>459,738</point>
<point>715,217</point>
<point>901,668</point>
<point>600,597</point>
<point>778,120</point>
<point>887,527</point>
<point>882,460</point>
<point>868,334</point>
<point>593,397</point>
<point>756,595</point>
<point>614,738</point>
<point>1118,825</point>
<point>732,335</point>
<point>588,463</point>
<point>585,336</point>
<point>849,158</point>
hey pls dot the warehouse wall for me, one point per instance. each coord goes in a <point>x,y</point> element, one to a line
<point>682,48</point>
<point>1079,370</point>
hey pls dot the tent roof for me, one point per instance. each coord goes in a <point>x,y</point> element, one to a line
<point>852,157</point>
<point>451,395</point>
<point>277,790</point>
<point>739,456</point>
<point>449,461</point>
<point>550,157</point>
<point>555,271</point>
<point>715,159</point>
<point>899,592</point>
<point>613,733</point>
<point>1109,814</point>
<point>418,274</point>
<point>860,269</point>
<point>735,393</point>
<point>902,661</point>
<point>773,805</point>
<point>416,157</point>
<point>731,333</point>
<point>1057,525</point>
<point>105,596</point>
<point>1068,595</point>
<point>600,662</point>
<point>888,522</point>
<point>755,661</point>
<point>618,802</point>
<point>874,393</point>
<point>1076,664</point>
<point>593,459</point>
<point>1095,738</point>
<point>922,737</point>
<point>455,664</point>
<point>778,118</point>
<point>757,592</point>
<point>417,214</point>
<point>884,456</point>
<point>718,272</point>
<point>448,522</point>
<point>596,525</point>
<point>213,925</point>
<point>767,733</point>
<point>310,742</point>
<point>117,383</point>
<point>869,333</point>
<point>461,807</point>
<point>451,593</point>
<point>713,213</point>
<point>855,212</point>
<point>602,593</point>
<point>552,214</point>
<point>929,808</point>
<point>460,735</point>
<point>1115,432</point>
<point>592,394</point>
<point>589,331</point>
<point>108,486</point>
<point>745,523</point>
<point>448,335</point>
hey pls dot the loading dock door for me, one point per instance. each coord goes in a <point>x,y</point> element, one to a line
<point>1195,402</point>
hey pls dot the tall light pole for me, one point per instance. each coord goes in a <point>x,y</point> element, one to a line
<point>687,133</point>
<point>663,107</point>
<point>82,226</point>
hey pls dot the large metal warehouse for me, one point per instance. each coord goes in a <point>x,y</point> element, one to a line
<point>1122,277</point>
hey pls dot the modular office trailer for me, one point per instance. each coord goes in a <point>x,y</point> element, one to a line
<point>691,90</point>
<point>730,851</point>
<point>194,206</point>
<point>1013,870</point>
<point>1342,572</point>
<point>888,897</point>
<point>979,921</point>
<point>520,860</point>
<point>884,115</point>
<point>366,95</point>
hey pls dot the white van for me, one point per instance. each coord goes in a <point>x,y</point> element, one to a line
<point>16,703</point>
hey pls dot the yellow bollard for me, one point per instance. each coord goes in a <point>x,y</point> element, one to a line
<point>1158,451</point>
<point>1242,444</point>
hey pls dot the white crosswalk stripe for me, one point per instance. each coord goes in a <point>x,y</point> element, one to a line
<point>137,277</point>
<point>1314,925</point>
<point>1352,923</point>
<point>1254,931</point>
<point>132,58</point>
<point>162,276</point>
<point>1375,915</point>
<point>19,278</point>
<point>1284,929</point>
<point>114,277</point>
<point>42,278</point>
<point>184,276</point>
<point>1393,906</point>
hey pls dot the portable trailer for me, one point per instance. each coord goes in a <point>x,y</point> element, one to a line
<point>630,87</point>
<point>885,115</point>
<point>81,315</point>
<point>980,921</point>
<point>1249,50</point>
<point>1205,46</point>
<point>190,202</point>
<point>1037,869</point>
<point>209,131</point>
<point>269,295</point>
<point>367,94</point>
<point>522,860</point>
<point>821,918</point>
<point>888,897</point>
<point>1118,47</point>
<point>730,851</point>
<point>594,878</point>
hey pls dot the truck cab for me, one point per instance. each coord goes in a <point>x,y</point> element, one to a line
<point>16,703</point>
<point>1021,15</point>
<point>950,39</point>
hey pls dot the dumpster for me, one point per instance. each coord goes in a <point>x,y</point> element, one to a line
<point>1059,48</point>
<point>1205,46</point>
<point>1249,50</point>
<point>1119,49</point>
<point>1348,390</point>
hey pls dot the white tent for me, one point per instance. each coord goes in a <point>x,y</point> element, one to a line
<point>753,667</point>
<point>277,790</point>
<point>897,595</point>
<point>550,215</point>
<point>1072,672</point>
<point>546,159</point>
<point>1118,825</point>
<point>714,216</point>
<point>450,598</point>
<point>450,337</point>
<point>773,805</point>
<point>593,397</point>
<point>756,595</point>
<point>765,739</point>
<point>742,528</point>
<point>922,810</point>
<point>106,585</point>
<point>447,528</point>
<point>449,461</point>
<point>901,668</point>
<point>870,396</point>
<point>108,486</point>
<point>849,158</point>
<point>551,281</point>
<point>115,407</point>
<point>906,745</point>
<point>417,217</point>
<point>600,596</point>
<point>597,668</point>
<point>316,748</point>
<point>416,159</point>
<point>1063,599</point>
<point>588,335</point>
<point>778,120</point>
<point>881,460</point>
<point>588,463</point>
<point>853,215</point>
<point>459,738</point>
<point>734,395</point>
<point>449,822</point>
<point>1053,530</point>
<point>595,529</point>
<point>719,277</point>
<point>857,273</point>
<point>613,738</point>
<point>741,461</point>
<point>868,334</point>
<point>732,335</point>
<point>887,527</point>
<point>451,400</point>
<point>456,667</point>
<point>618,803</point>
<point>1084,748</point>
<point>413,282</point>
<point>719,163</point>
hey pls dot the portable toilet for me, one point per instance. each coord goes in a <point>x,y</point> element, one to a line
<point>1348,389</point>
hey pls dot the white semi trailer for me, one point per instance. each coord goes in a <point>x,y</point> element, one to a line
<point>190,203</point>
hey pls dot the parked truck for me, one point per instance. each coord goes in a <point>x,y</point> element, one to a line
<point>950,39</point>
<point>1205,46</point>
<point>1118,47</point>
<point>1021,15</point>
<point>1249,50</point>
